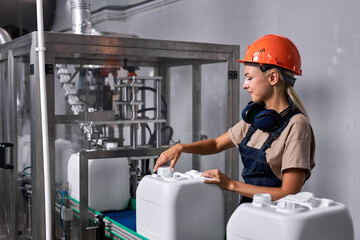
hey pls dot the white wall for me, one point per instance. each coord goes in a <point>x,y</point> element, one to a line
<point>327,33</point>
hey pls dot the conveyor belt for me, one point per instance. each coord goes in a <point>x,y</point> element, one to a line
<point>126,218</point>
<point>120,225</point>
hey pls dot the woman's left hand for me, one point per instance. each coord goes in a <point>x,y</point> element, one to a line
<point>218,178</point>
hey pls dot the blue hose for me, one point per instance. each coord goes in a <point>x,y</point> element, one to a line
<point>61,205</point>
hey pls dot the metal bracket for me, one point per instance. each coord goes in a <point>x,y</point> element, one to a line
<point>49,69</point>
<point>32,69</point>
<point>5,151</point>
<point>233,74</point>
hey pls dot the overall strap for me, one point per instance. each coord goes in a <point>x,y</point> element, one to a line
<point>275,134</point>
<point>249,133</point>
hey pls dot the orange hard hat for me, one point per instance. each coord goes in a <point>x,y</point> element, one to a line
<point>274,50</point>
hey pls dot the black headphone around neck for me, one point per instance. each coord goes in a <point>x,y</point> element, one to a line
<point>264,119</point>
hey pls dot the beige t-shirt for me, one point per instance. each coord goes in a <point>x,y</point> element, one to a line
<point>294,148</point>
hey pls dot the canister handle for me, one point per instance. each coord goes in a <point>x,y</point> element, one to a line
<point>305,199</point>
<point>178,174</point>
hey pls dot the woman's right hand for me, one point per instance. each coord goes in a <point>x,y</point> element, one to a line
<point>172,154</point>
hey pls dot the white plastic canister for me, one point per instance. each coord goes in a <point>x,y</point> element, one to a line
<point>294,217</point>
<point>179,206</point>
<point>108,182</point>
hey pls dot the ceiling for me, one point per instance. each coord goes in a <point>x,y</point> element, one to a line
<point>18,17</point>
<point>104,10</point>
<point>98,5</point>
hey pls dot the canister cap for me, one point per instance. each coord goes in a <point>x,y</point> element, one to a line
<point>261,200</point>
<point>164,171</point>
<point>262,197</point>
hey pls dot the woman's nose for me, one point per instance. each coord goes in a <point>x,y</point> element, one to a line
<point>245,85</point>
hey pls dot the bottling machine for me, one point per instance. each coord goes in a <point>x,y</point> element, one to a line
<point>107,97</point>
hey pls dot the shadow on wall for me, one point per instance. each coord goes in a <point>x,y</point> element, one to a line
<point>19,17</point>
<point>333,138</point>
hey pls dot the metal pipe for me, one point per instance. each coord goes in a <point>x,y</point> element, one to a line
<point>4,36</point>
<point>100,231</point>
<point>67,224</point>
<point>80,16</point>
<point>134,177</point>
<point>134,127</point>
<point>158,112</point>
<point>143,126</point>
<point>134,107</point>
<point>127,99</point>
<point>158,98</point>
<point>30,215</point>
<point>44,119</point>
<point>133,133</point>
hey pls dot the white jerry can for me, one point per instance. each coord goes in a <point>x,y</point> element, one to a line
<point>108,181</point>
<point>294,217</point>
<point>179,207</point>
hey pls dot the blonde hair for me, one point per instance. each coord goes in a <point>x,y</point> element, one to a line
<point>290,91</point>
<point>296,100</point>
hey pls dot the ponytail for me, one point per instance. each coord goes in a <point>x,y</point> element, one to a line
<point>296,100</point>
<point>289,89</point>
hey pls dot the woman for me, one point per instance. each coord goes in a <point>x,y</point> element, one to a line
<point>275,139</point>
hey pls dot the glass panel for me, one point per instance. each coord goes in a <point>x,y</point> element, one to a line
<point>22,84</point>
<point>23,114</point>
<point>3,185</point>
<point>213,110</point>
<point>181,111</point>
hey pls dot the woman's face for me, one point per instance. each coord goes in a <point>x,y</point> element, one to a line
<point>257,84</point>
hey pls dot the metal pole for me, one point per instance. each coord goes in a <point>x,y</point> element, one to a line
<point>84,201</point>
<point>158,112</point>
<point>143,126</point>
<point>30,215</point>
<point>44,118</point>
<point>232,155</point>
<point>196,112</point>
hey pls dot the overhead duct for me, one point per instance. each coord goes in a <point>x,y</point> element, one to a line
<point>4,36</point>
<point>80,16</point>
<point>80,20</point>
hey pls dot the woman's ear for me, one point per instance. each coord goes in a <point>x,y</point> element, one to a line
<point>274,76</point>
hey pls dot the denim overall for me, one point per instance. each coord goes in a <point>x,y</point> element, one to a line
<point>256,170</point>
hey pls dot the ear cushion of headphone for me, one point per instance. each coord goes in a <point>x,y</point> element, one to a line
<point>267,120</point>
<point>251,110</point>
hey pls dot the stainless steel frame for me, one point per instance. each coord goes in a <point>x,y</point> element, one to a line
<point>84,157</point>
<point>85,49</point>
<point>8,184</point>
